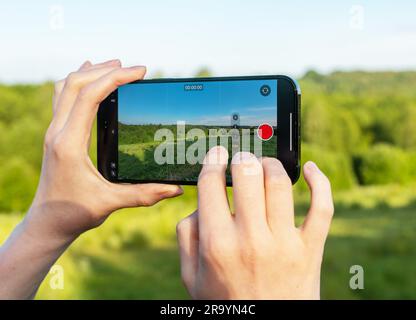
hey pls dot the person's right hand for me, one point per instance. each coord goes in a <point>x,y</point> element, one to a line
<point>257,252</point>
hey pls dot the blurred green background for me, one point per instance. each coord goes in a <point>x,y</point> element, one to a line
<point>359,127</point>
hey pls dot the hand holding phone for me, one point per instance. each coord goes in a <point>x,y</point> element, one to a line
<point>72,196</point>
<point>68,176</point>
<point>257,252</point>
<point>160,130</point>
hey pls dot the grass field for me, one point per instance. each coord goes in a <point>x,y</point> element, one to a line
<point>134,253</point>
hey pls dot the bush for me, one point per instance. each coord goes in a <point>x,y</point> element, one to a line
<point>17,184</point>
<point>330,126</point>
<point>336,165</point>
<point>384,163</point>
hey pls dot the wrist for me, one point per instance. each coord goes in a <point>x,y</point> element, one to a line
<point>29,254</point>
<point>41,226</point>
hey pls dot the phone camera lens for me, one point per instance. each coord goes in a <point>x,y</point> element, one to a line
<point>265,90</point>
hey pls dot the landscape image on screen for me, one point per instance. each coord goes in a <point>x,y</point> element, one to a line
<point>146,108</point>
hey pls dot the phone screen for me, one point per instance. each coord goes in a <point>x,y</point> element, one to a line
<point>166,128</point>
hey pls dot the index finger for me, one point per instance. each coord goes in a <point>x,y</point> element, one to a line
<point>279,195</point>
<point>213,207</point>
<point>83,113</point>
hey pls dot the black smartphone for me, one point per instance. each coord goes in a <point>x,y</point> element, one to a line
<point>159,130</point>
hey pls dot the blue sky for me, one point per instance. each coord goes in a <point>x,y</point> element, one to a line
<point>215,104</point>
<point>47,39</point>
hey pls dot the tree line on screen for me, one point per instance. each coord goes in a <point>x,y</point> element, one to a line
<point>143,133</point>
<point>360,127</point>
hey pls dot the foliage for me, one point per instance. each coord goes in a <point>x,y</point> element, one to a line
<point>134,254</point>
<point>347,118</point>
<point>336,165</point>
<point>363,116</point>
<point>17,185</point>
<point>384,163</point>
<point>203,72</point>
<point>360,129</point>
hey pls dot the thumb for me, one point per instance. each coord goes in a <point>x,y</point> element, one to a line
<point>144,195</point>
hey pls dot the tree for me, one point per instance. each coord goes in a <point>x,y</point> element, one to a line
<point>203,72</point>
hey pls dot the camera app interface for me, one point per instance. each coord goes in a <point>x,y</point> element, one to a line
<point>165,129</point>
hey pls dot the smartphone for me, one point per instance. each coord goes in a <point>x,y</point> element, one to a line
<point>159,130</point>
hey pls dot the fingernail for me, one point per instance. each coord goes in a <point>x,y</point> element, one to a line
<point>216,155</point>
<point>244,157</point>
<point>137,68</point>
<point>310,166</point>
<point>168,190</point>
<point>85,64</point>
<point>179,190</point>
<point>113,61</point>
<point>250,165</point>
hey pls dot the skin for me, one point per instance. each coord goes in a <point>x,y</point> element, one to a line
<point>72,197</point>
<point>257,252</point>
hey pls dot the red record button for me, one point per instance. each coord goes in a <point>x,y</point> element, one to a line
<point>265,131</point>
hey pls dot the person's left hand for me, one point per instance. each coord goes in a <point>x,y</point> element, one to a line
<point>72,196</point>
